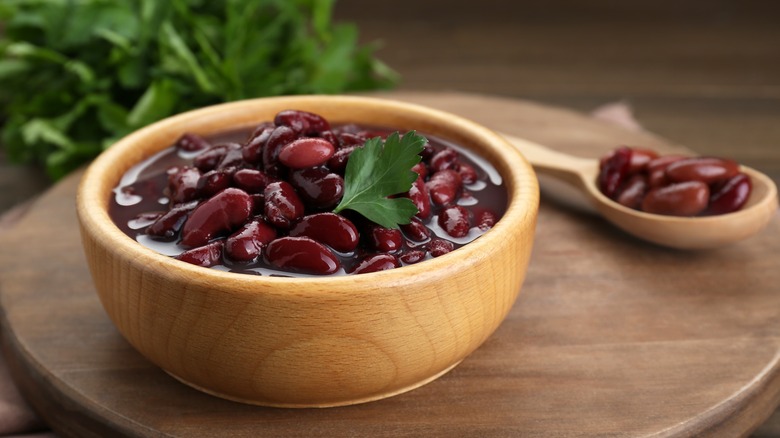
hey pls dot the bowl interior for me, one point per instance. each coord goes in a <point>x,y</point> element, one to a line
<point>104,174</point>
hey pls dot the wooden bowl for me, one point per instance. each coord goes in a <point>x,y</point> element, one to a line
<point>305,342</point>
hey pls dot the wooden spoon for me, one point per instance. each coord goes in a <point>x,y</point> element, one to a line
<point>671,231</point>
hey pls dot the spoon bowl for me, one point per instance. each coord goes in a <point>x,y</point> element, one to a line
<point>671,231</point>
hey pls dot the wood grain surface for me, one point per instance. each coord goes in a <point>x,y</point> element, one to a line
<point>610,337</point>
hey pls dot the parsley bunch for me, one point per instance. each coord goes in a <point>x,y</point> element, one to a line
<point>76,75</point>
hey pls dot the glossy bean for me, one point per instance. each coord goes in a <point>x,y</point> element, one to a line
<point>252,151</point>
<point>444,186</point>
<point>416,230</point>
<point>279,137</point>
<point>233,157</point>
<point>302,122</point>
<point>485,219</point>
<point>467,173</point>
<point>455,221</point>
<point>412,256</point>
<point>248,241</point>
<point>213,182</point>
<point>384,239</point>
<point>375,263</point>
<point>302,254</point>
<point>680,199</point>
<point>338,162</point>
<point>210,158</point>
<point>656,169</point>
<point>169,224</point>
<point>705,169</point>
<point>190,142</point>
<point>421,170</point>
<point>251,180</point>
<point>438,247</point>
<point>206,256</point>
<point>614,170</point>
<point>420,197</point>
<point>633,191</point>
<point>444,159</point>
<point>306,152</point>
<point>222,213</point>
<point>282,204</point>
<point>331,229</point>
<point>318,187</point>
<point>731,196</point>
<point>183,185</point>
<point>347,139</point>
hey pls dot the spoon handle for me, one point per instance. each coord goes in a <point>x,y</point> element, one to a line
<point>545,160</point>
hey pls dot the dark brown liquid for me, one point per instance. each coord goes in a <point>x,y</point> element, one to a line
<point>142,195</point>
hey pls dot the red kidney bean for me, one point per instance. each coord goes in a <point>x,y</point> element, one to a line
<point>331,229</point>
<point>421,170</point>
<point>338,162</point>
<point>302,122</point>
<point>640,158</point>
<point>656,169</point>
<point>444,186</point>
<point>210,158</point>
<point>251,180</point>
<point>170,223</point>
<point>330,137</point>
<point>687,198</point>
<point>614,170</point>
<point>222,213</point>
<point>280,136</point>
<point>705,169</point>
<point>252,151</point>
<point>190,142</point>
<point>206,256</point>
<point>302,254</point>
<point>375,263</point>
<point>420,197</point>
<point>444,159</point>
<point>416,230</point>
<point>427,152</point>
<point>318,187</point>
<point>485,219</point>
<point>183,185</point>
<point>306,152</point>
<point>282,204</point>
<point>347,139</point>
<point>633,191</point>
<point>246,244</point>
<point>438,247</point>
<point>233,157</point>
<point>467,173</point>
<point>455,221</point>
<point>384,239</point>
<point>413,256</point>
<point>213,182</point>
<point>731,196</point>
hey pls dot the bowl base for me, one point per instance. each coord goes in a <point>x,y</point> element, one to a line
<point>272,404</point>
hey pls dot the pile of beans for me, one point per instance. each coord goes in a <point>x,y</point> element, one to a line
<point>264,204</point>
<point>673,185</point>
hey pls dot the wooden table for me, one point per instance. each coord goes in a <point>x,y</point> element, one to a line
<point>704,74</point>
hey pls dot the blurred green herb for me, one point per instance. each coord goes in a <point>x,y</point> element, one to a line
<point>76,75</point>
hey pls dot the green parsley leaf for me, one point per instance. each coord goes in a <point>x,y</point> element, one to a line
<point>376,171</point>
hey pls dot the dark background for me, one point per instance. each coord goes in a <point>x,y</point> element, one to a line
<point>701,73</point>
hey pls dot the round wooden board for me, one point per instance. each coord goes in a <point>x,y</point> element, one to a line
<point>610,336</point>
